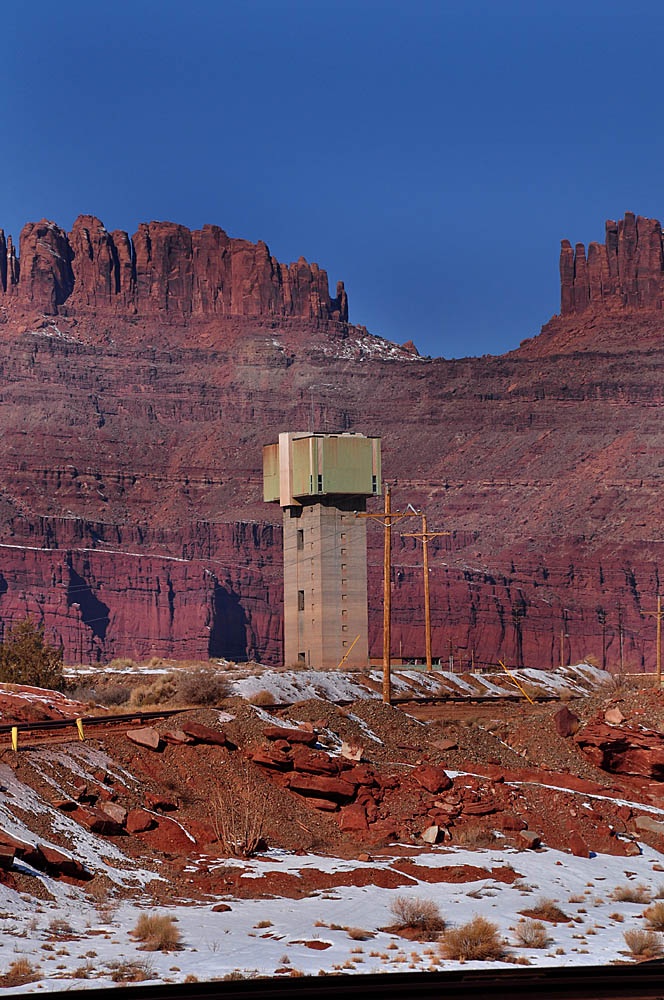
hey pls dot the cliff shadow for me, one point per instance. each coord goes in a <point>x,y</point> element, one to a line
<point>94,613</point>
<point>228,632</point>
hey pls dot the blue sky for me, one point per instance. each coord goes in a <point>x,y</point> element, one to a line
<point>430,154</point>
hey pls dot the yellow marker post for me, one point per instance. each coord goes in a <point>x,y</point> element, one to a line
<point>513,678</point>
<point>14,737</point>
<point>79,726</point>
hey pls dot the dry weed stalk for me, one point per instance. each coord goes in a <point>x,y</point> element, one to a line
<point>237,811</point>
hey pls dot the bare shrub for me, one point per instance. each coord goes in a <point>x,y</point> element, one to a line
<point>474,836</point>
<point>478,940</point>
<point>157,932</point>
<point>631,894</point>
<point>531,934</point>
<point>201,687</point>
<point>655,916</point>
<point>238,808</point>
<point>547,909</point>
<point>643,944</point>
<point>20,972</point>
<point>113,694</point>
<point>421,916</point>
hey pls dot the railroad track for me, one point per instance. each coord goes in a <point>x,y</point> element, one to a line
<point>64,730</point>
<point>611,982</point>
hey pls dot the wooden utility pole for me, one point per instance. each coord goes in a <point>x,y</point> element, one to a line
<point>425,535</point>
<point>658,615</point>
<point>387,517</point>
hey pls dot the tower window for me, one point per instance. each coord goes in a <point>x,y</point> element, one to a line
<point>320,484</point>
<point>300,600</point>
<point>374,484</point>
<point>300,539</point>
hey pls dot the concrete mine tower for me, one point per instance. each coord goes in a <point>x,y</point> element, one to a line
<point>320,481</point>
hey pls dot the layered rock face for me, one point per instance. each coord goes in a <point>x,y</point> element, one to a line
<point>132,520</point>
<point>164,270</point>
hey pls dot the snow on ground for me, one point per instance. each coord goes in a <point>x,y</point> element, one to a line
<point>69,933</point>
<point>77,937</point>
<point>335,685</point>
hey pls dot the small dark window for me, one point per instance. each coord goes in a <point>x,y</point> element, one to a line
<point>300,539</point>
<point>374,484</point>
<point>301,660</point>
<point>320,484</point>
<point>300,600</point>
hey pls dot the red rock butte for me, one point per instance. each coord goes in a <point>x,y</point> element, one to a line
<point>626,271</point>
<point>164,270</point>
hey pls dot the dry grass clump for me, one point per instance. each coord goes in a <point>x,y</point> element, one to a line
<point>201,687</point>
<point>157,932</point>
<point>474,836</point>
<point>478,940</point>
<point>547,909</point>
<point>131,972</point>
<point>655,916</point>
<point>359,934</point>
<point>631,894</point>
<point>643,944</point>
<point>421,917</point>
<point>161,690</point>
<point>123,663</point>
<point>261,698</point>
<point>531,934</point>
<point>20,972</point>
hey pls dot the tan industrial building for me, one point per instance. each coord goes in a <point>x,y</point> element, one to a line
<point>320,481</point>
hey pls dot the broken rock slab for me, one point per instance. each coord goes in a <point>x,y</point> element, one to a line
<point>321,786</point>
<point>650,824</point>
<point>138,821</point>
<point>530,839</point>
<point>114,811</point>
<point>566,722</point>
<point>613,716</point>
<point>433,779</point>
<point>292,735</point>
<point>204,734</point>
<point>145,737</point>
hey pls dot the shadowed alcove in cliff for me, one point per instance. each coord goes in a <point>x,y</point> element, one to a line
<point>94,613</point>
<point>228,631</point>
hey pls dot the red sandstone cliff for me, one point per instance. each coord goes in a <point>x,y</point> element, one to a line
<point>141,378</point>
